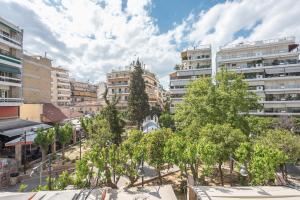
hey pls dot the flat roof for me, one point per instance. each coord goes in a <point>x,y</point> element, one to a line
<point>164,192</point>
<point>255,192</point>
<point>9,24</point>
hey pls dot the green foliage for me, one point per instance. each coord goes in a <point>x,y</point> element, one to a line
<point>44,139</point>
<point>208,152</point>
<point>111,114</point>
<point>263,164</point>
<point>154,144</point>
<point>62,181</point>
<point>41,188</point>
<point>138,106</point>
<point>259,125</point>
<point>218,102</point>
<point>283,140</point>
<point>65,133</point>
<point>244,152</point>
<point>81,172</point>
<point>166,121</point>
<point>22,187</point>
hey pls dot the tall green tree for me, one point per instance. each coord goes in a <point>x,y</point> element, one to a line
<point>138,106</point>
<point>64,135</point>
<point>113,118</point>
<point>166,121</point>
<point>44,139</point>
<point>223,100</point>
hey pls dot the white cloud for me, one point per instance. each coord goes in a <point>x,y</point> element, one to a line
<point>90,37</point>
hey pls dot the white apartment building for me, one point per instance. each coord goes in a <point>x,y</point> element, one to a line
<point>195,63</point>
<point>272,69</point>
<point>11,49</point>
<point>60,87</point>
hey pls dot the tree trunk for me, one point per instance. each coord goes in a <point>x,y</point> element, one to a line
<point>194,173</point>
<point>43,157</point>
<point>221,174</point>
<point>159,176</point>
<point>63,151</point>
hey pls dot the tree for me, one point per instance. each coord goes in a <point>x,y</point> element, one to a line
<point>44,139</point>
<point>154,144</point>
<point>64,135</point>
<point>263,164</point>
<point>132,150</point>
<point>112,116</point>
<point>259,125</point>
<point>224,139</point>
<point>166,121</point>
<point>138,106</point>
<point>285,141</point>
<point>223,100</point>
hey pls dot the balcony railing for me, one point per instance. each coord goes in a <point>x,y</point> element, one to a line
<point>10,39</point>
<point>11,100</point>
<point>10,79</point>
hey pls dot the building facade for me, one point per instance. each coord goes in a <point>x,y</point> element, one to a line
<point>60,87</point>
<point>195,63</point>
<point>11,50</point>
<point>118,84</point>
<point>36,79</point>
<point>82,92</point>
<point>272,69</point>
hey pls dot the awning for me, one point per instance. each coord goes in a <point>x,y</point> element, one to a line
<point>30,136</point>
<point>9,69</point>
<point>19,131</point>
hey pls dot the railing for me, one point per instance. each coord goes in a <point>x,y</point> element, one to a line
<point>8,54</point>
<point>254,55</point>
<point>11,100</point>
<point>10,79</point>
<point>260,42</point>
<point>283,87</point>
<point>264,65</point>
<point>10,39</point>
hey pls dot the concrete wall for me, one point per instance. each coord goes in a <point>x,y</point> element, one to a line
<point>31,112</point>
<point>36,79</point>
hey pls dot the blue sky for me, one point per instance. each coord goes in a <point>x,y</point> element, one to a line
<point>92,37</point>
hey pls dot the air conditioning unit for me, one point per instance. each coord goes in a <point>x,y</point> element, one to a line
<point>258,65</point>
<point>259,76</point>
<point>260,88</point>
<point>281,75</point>
<point>282,99</point>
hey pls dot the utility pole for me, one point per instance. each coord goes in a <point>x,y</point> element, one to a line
<point>49,183</point>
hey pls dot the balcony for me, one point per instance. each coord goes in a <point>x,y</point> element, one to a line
<point>9,60</point>
<point>11,41</point>
<point>253,56</point>
<point>10,101</point>
<point>10,81</point>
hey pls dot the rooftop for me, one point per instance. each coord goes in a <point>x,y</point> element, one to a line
<point>256,192</point>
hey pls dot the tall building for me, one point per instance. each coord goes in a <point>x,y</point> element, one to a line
<point>118,84</point>
<point>60,87</point>
<point>36,79</point>
<point>272,69</point>
<point>11,49</point>
<point>83,92</point>
<point>195,63</point>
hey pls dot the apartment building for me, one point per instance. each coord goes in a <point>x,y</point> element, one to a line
<point>11,49</point>
<point>60,87</point>
<point>83,92</point>
<point>118,82</point>
<point>272,69</point>
<point>195,63</point>
<point>36,79</point>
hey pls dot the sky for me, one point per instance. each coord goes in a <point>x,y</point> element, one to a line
<point>92,37</point>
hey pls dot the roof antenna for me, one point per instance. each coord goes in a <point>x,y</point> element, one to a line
<point>45,54</point>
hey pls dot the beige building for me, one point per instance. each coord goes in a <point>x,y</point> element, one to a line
<point>36,79</point>
<point>60,87</point>
<point>118,84</point>
<point>195,63</point>
<point>82,92</point>
<point>272,69</point>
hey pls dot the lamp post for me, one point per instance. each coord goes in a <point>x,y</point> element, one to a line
<point>49,183</point>
<point>243,169</point>
<point>141,171</point>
